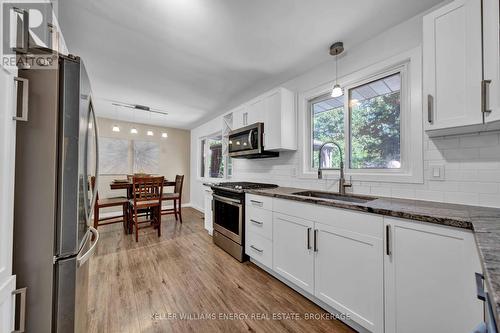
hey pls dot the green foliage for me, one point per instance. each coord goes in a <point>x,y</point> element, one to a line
<point>375,132</point>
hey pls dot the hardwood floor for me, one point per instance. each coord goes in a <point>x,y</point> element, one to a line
<point>148,286</point>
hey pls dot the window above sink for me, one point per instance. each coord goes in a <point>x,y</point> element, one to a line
<point>377,122</point>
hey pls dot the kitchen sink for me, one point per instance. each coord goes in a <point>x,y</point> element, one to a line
<point>335,196</point>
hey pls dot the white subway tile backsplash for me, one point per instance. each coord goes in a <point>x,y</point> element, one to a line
<point>489,200</point>
<point>462,198</point>
<point>479,140</point>
<point>471,163</point>
<point>475,187</point>
<point>429,195</point>
<point>461,154</point>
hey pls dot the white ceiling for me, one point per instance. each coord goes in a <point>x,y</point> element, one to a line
<point>195,58</point>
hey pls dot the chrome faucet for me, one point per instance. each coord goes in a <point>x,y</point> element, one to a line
<point>342,182</point>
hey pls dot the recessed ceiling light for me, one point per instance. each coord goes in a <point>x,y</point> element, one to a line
<point>116,128</point>
<point>150,133</point>
<point>133,130</point>
<point>164,135</point>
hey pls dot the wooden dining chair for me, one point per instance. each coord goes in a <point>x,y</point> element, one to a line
<point>146,195</point>
<point>176,197</point>
<point>109,202</point>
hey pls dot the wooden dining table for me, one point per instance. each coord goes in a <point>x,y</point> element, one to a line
<point>127,185</point>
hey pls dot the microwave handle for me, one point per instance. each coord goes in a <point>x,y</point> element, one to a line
<point>250,139</point>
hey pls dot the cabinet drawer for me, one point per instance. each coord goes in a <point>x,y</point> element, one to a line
<point>258,201</point>
<point>259,249</point>
<point>259,221</point>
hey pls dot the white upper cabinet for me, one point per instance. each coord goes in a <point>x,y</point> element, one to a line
<point>452,56</point>
<point>430,279</point>
<point>491,38</point>
<point>276,109</point>
<point>461,62</point>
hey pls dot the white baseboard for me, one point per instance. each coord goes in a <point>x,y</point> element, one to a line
<point>200,209</point>
<point>119,212</point>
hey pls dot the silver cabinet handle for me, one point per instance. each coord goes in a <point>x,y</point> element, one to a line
<point>22,309</point>
<point>256,222</point>
<point>25,33</point>
<point>430,109</point>
<point>388,249</point>
<point>24,83</point>
<point>485,96</point>
<point>309,238</point>
<point>258,203</point>
<point>315,240</point>
<point>80,260</point>
<point>256,249</point>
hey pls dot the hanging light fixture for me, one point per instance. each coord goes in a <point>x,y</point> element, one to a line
<point>164,135</point>
<point>116,128</point>
<point>133,130</point>
<point>336,49</point>
<point>150,132</point>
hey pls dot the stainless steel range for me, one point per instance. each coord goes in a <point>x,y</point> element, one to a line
<point>229,215</point>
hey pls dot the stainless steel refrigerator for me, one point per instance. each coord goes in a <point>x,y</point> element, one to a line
<point>56,154</point>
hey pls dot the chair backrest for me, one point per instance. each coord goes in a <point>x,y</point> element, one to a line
<point>147,188</point>
<point>179,180</point>
<point>92,188</point>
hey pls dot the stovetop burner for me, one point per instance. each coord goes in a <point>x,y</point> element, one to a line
<point>241,186</point>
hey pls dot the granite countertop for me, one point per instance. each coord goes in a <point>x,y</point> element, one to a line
<point>483,221</point>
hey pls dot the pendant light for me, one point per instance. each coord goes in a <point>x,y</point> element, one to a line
<point>133,130</point>
<point>336,49</point>
<point>150,132</point>
<point>116,128</point>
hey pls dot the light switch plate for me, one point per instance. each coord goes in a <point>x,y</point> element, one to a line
<point>437,171</point>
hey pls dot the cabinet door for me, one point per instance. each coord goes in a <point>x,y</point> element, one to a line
<point>256,112</point>
<point>349,274</point>
<point>429,279</point>
<point>273,121</point>
<point>292,257</point>
<point>208,211</point>
<point>7,156</point>
<point>491,35</point>
<point>452,62</point>
<point>238,121</point>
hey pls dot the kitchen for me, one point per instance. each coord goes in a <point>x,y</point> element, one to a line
<point>340,175</point>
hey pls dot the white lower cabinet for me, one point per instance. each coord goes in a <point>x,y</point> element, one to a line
<point>348,273</point>
<point>429,279</point>
<point>293,255</point>
<point>388,275</point>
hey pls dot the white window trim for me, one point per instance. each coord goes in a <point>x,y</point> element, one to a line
<point>200,160</point>
<point>409,63</point>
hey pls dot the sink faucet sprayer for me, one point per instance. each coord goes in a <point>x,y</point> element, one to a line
<point>342,182</point>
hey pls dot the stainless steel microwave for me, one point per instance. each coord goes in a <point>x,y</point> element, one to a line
<point>248,142</point>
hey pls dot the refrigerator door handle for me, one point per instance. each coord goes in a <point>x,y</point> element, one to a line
<point>22,309</point>
<point>81,259</point>
<point>96,132</point>
<point>24,84</point>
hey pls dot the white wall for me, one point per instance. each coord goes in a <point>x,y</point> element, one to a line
<point>173,159</point>
<point>472,162</point>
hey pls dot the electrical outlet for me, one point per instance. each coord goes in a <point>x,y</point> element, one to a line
<point>437,171</point>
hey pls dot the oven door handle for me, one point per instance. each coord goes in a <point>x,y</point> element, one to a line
<point>226,200</point>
